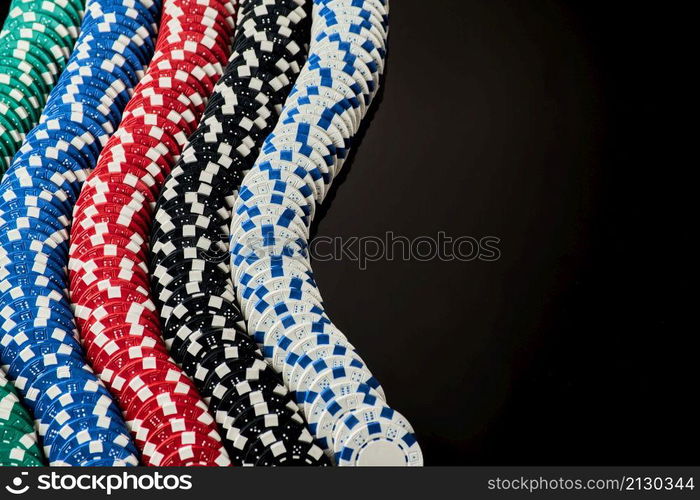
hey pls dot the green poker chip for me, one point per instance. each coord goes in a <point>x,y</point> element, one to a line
<point>25,58</point>
<point>39,39</point>
<point>59,15</point>
<point>10,104</point>
<point>42,23</point>
<point>31,45</point>
<point>47,62</point>
<point>16,89</point>
<point>25,439</point>
<point>17,457</point>
<point>30,79</point>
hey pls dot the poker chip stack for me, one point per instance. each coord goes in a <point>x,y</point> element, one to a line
<point>109,284</point>
<point>341,399</point>
<point>76,417</point>
<point>35,42</point>
<point>189,244</point>
<point>18,442</point>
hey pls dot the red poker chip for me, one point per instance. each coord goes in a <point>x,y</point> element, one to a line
<point>80,286</point>
<point>139,144</point>
<point>127,258</point>
<point>207,36</point>
<point>116,323</point>
<point>118,312</point>
<point>195,19</point>
<point>164,374</point>
<point>212,11</point>
<point>136,201</point>
<point>163,106</point>
<point>158,450</point>
<point>85,253</point>
<point>150,170</point>
<point>173,58</point>
<point>131,220</point>
<point>178,80</point>
<point>137,126</point>
<point>197,456</point>
<point>118,360</point>
<point>117,347</point>
<point>155,413</point>
<point>155,388</point>
<point>104,341</point>
<point>101,291</point>
<point>118,182</point>
<point>206,46</point>
<point>104,234</point>
<point>176,52</point>
<point>120,380</point>
<point>191,67</point>
<point>177,425</point>
<point>227,10</point>
<point>193,100</point>
<point>173,130</point>
<point>152,89</point>
<point>122,331</point>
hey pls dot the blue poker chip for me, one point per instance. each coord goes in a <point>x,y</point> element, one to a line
<point>7,192</point>
<point>34,213</point>
<point>95,97</point>
<point>95,451</point>
<point>56,172</point>
<point>83,388</point>
<point>91,430</point>
<point>121,10</point>
<point>87,129</point>
<point>30,370</point>
<point>132,69</point>
<point>102,75</point>
<point>68,421</point>
<point>135,43</point>
<point>28,258</point>
<point>128,26</point>
<point>79,112</point>
<point>47,205</point>
<point>88,153</point>
<point>49,243</point>
<point>56,314</point>
<point>112,41</point>
<point>31,333</point>
<point>56,158</point>
<point>77,406</point>
<point>23,285</point>
<point>50,377</point>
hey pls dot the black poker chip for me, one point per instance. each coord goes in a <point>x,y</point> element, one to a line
<point>237,404</point>
<point>295,437</point>
<point>246,428</point>
<point>259,369</point>
<point>197,344</point>
<point>301,455</point>
<point>219,367</point>
<point>192,203</point>
<point>200,317</point>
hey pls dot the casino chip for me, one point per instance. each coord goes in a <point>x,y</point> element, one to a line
<point>189,251</point>
<point>110,288</point>
<point>299,155</point>
<point>18,440</point>
<point>35,40</point>
<point>77,419</point>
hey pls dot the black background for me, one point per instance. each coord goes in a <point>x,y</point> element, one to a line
<point>558,127</point>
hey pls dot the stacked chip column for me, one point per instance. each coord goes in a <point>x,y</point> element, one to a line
<point>109,284</point>
<point>76,417</point>
<point>189,241</point>
<point>35,43</point>
<point>342,400</point>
